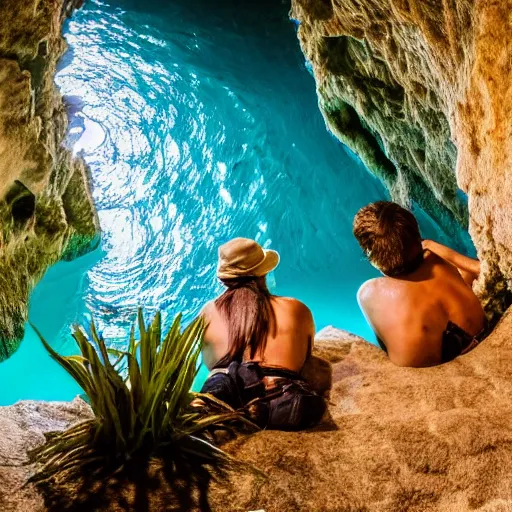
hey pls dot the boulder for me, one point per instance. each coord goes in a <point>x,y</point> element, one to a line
<point>22,427</point>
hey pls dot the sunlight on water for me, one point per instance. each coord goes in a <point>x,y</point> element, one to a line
<point>188,149</point>
<point>196,129</point>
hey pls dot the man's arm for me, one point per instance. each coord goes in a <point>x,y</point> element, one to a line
<point>364,298</point>
<point>463,263</point>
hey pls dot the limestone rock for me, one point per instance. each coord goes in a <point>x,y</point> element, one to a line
<point>21,428</point>
<point>420,91</point>
<point>331,333</point>
<point>431,439</point>
<point>45,207</point>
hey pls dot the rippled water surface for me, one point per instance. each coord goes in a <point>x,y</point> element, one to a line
<point>199,124</point>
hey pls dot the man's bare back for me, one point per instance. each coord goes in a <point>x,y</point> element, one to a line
<point>287,348</point>
<point>409,314</point>
<point>424,311</point>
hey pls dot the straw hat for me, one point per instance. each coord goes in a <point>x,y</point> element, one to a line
<point>242,257</point>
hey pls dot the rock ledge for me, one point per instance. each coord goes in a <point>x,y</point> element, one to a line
<point>433,439</point>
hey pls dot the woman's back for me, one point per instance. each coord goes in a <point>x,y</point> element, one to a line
<point>288,343</point>
<point>256,344</point>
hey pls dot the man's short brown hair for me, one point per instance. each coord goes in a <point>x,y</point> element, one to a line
<point>389,235</point>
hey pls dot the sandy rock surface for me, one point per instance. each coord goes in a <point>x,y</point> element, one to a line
<point>396,439</point>
<point>399,439</point>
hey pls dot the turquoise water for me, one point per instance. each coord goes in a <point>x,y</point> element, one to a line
<point>199,123</point>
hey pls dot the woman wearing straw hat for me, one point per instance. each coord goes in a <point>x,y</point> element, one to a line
<point>256,343</point>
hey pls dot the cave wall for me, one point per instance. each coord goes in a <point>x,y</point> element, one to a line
<point>46,211</point>
<point>419,89</point>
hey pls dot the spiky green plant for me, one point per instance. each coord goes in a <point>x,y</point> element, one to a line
<point>141,403</point>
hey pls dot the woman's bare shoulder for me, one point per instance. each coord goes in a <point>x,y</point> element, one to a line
<point>208,310</point>
<point>293,305</point>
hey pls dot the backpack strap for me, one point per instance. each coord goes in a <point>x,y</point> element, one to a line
<point>249,378</point>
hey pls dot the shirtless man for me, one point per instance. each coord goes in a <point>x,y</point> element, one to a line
<point>258,341</point>
<point>423,311</point>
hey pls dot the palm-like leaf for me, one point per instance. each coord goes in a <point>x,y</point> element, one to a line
<point>141,413</point>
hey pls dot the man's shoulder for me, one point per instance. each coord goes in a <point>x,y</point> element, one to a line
<point>371,288</point>
<point>384,288</point>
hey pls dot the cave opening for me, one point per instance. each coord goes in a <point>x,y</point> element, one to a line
<point>198,124</point>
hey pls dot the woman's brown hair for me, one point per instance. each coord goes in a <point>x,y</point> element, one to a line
<point>389,235</point>
<point>247,308</point>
